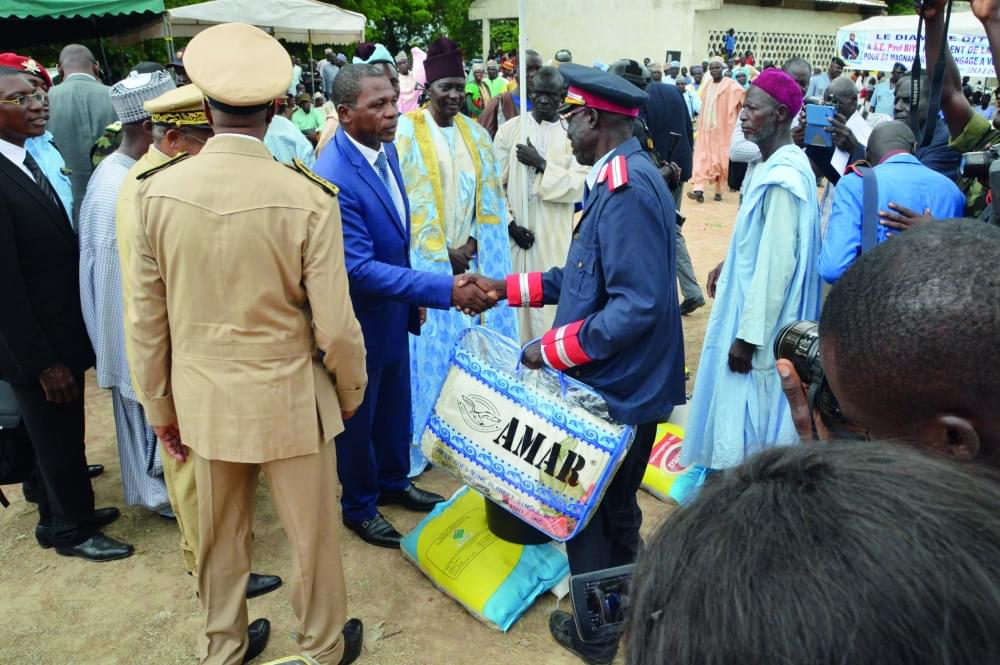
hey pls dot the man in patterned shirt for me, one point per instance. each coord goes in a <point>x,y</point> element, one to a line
<point>101,295</point>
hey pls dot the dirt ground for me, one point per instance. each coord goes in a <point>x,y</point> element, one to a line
<point>64,611</point>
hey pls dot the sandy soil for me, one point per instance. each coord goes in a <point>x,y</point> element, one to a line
<point>64,611</point>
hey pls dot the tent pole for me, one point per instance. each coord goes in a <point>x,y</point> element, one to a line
<point>168,37</point>
<point>104,60</point>
<point>522,91</point>
<point>312,67</point>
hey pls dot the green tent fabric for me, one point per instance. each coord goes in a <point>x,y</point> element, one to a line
<point>24,23</point>
<point>76,8</point>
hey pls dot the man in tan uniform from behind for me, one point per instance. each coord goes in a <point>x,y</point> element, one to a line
<point>246,350</point>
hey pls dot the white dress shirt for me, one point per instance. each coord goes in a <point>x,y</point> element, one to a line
<point>372,155</point>
<point>16,154</point>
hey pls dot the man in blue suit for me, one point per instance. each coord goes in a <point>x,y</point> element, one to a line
<point>373,458</point>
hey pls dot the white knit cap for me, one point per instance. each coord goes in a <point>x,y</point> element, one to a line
<point>129,94</point>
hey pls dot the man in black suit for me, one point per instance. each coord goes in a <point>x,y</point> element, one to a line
<point>44,348</point>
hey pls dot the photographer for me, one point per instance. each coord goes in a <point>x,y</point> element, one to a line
<point>824,555</point>
<point>907,339</point>
<point>970,132</point>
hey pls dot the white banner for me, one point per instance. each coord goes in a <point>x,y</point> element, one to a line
<point>880,50</point>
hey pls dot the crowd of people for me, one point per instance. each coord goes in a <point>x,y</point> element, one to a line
<point>267,279</point>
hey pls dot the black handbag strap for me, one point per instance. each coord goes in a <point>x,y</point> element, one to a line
<point>869,214</point>
<point>937,83</point>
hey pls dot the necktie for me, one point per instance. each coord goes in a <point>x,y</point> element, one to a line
<point>382,167</point>
<point>43,182</point>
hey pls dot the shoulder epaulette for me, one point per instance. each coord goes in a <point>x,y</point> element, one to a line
<point>179,157</point>
<point>615,172</point>
<point>323,183</point>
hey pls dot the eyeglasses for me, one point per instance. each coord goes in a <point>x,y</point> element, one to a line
<point>24,100</point>
<point>565,118</point>
<point>191,136</point>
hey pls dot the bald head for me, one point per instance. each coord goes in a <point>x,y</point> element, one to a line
<point>76,58</point>
<point>844,95</point>
<point>800,70</point>
<point>890,137</point>
<point>550,76</point>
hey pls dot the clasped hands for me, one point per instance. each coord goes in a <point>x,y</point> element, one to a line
<point>473,294</point>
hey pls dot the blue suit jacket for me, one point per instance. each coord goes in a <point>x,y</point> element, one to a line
<point>384,289</point>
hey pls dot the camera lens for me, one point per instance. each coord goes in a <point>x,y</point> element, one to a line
<point>799,343</point>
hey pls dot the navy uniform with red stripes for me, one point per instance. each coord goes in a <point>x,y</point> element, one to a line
<point>617,329</point>
<point>618,323</point>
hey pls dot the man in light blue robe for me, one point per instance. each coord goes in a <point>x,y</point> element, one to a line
<point>458,222</point>
<point>769,279</point>
<point>287,143</point>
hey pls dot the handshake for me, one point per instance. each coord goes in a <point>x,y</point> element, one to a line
<point>472,293</point>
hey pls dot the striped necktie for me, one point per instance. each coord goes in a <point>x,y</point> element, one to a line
<point>43,182</point>
<point>382,167</point>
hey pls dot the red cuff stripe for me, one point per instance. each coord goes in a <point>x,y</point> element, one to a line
<point>514,290</point>
<point>535,289</point>
<point>550,357</point>
<point>524,289</point>
<point>561,347</point>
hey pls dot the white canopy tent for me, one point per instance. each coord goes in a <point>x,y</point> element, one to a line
<point>882,41</point>
<point>301,21</point>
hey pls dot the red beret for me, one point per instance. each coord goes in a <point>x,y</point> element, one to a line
<point>27,65</point>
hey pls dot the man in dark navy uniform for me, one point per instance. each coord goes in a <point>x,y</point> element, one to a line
<point>618,325</point>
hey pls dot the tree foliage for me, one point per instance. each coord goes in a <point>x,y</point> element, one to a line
<point>900,7</point>
<point>399,24</point>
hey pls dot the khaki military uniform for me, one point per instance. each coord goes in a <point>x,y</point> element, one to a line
<point>242,332</point>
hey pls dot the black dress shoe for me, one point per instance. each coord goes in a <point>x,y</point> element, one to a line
<point>376,531</point>
<point>354,637</point>
<point>691,304</point>
<point>258,585</point>
<point>102,518</point>
<point>696,196</point>
<point>94,470</point>
<point>412,497</point>
<point>563,630</point>
<point>98,548</point>
<point>258,633</point>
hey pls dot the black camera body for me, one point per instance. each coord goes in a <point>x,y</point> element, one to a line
<point>799,343</point>
<point>984,165</point>
<point>600,602</point>
<point>979,164</point>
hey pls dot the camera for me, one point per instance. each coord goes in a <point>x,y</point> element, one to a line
<point>977,164</point>
<point>600,602</point>
<point>799,343</point>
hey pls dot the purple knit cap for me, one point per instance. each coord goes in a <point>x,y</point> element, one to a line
<point>781,87</point>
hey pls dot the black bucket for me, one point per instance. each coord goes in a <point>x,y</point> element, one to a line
<point>507,526</point>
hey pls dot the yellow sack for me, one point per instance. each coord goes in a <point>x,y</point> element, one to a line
<point>664,466</point>
<point>495,580</point>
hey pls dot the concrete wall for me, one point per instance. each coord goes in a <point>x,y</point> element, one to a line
<point>750,19</point>
<point>605,31</point>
